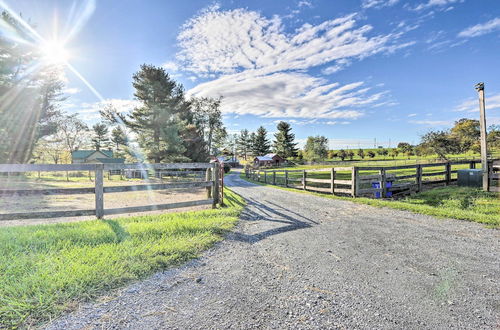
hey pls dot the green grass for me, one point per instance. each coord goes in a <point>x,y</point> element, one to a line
<point>48,269</point>
<point>454,202</point>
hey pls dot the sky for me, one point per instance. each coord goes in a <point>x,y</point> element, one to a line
<point>360,72</point>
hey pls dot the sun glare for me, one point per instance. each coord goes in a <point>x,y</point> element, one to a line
<point>54,52</point>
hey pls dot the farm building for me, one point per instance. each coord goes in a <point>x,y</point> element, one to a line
<point>95,156</point>
<point>269,160</point>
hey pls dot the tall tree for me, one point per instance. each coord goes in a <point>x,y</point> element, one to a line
<point>118,137</point>
<point>208,118</point>
<point>440,143</point>
<point>100,138</point>
<point>316,148</point>
<point>261,144</point>
<point>73,131</point>
<point>284,144</point>
<point>30,94</point>
<point>466,132</point>
<point>244,143</point>
<point>157,120</point>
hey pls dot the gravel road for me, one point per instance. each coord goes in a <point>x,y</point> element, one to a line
<point>301,261</point>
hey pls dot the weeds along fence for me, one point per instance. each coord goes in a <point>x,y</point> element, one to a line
<point>368,181</point>
<point>196,175</point>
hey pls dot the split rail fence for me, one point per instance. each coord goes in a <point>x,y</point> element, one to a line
<point>359,181</point>
<point>211,178</point>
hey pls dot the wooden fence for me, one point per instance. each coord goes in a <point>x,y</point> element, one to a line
<point>494,175</point>
<point>211,181</point>
<point>367,180</point>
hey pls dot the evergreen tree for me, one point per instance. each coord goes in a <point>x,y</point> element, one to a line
<point>261,144</point>
<point>100,137</point>
<point>29,107</point>
<point>118,137</point>
<point>244,143</point>
<point>284,141</point>
<point>157,121</point>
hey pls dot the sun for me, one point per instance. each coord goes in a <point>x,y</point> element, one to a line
<point>54,52</point>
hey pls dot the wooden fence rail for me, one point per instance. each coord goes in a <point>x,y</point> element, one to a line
<point>212,175</point>
<point>354,180</point>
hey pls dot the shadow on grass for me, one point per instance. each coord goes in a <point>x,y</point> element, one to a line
<point>121,234</point>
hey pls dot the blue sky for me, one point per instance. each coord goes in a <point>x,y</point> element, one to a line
<point>352,70</point>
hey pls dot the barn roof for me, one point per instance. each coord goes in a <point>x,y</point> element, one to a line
<point>264,158</point>
<point>83,154</point>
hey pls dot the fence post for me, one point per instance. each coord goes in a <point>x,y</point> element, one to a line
<point>447,167</point>
<point>354,181</point>
<point>383,183</point>
<point>265,176</point>
<point>99,191</point>
<point>208,177</point>
<point>332,183</point>
<point>215,193</point>
<point>286,178</point>
<point>304,179</point>
<point>419,178</point>
<point>472,165</point>
<point>274,177</point>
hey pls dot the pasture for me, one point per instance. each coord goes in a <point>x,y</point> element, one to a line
<point>50,269</point>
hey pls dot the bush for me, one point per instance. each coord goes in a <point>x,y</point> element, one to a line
<point>227,168</point>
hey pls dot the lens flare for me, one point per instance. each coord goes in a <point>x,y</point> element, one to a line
<point>54,52</point>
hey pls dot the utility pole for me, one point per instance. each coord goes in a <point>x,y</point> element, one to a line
<point>484,148</point>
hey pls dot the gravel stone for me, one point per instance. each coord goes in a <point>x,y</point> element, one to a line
<point>305,262</point>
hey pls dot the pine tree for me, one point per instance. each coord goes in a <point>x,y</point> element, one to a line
<point>244,144</point>
<point>261,144</point>
<point>157,121</point>
<point>100,137</point>
<point>284,141</point>
<point>118,137</point>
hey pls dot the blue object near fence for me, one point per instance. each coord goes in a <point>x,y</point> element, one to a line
<point>378,185</point>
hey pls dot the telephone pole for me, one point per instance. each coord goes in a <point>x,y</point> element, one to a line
<point>484,147</point>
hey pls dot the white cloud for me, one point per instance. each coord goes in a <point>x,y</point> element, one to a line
<point>440,3</point>
<point>339,65</point>
<point>90,111</point>
<point>259,69</point>
<point>305,3</point>
<point>72,90</point>
<point>480,29</point>
<point>378,3</point>
<point>412,115</point>
<point>432,122</point>
<point>170,66</point>
<point>492,102</point>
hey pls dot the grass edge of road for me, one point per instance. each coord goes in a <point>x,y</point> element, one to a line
<point>48,270</point>
<point>490,221</point>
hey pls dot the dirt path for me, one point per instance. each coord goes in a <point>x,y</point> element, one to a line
<point>302,261</point>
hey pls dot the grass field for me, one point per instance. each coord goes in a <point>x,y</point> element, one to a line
<point>49,269</point>
<point>461,203</point>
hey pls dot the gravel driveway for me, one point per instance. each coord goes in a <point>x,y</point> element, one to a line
<point>301,261</point>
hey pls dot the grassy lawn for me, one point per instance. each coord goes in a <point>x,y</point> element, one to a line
<point>48,269</point>
<point>448,202</point>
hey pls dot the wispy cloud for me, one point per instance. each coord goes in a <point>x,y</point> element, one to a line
<point>261,70</point>
<point>432,122</point>
<point>378,3</point>
<point>438,3</point>
<point>480,29</point>
<point>492,102</point>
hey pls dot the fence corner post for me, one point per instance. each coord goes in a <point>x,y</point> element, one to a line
<point>304,177</point>
<point>354,181</point>
<point>99,191</point>
<point>419,178</point>
<point>332,183</point>
<point>216,183</point>
<point>447,167</point>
